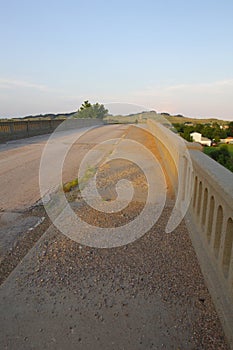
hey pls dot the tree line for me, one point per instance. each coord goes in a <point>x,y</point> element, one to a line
<point>213,132</point>
<point>221,155</point>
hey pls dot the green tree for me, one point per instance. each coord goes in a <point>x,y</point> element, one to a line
<point>222,156</point>
<point>99,111</point>
<point>230,129</point>
<point>87,110</point>
<point>213,132</point>
<point>86,104</point>
<point>208,131</point>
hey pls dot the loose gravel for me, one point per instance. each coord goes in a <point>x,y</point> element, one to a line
<point>149,294</point>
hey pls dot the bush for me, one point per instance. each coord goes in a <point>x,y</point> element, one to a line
<point>222,156</point>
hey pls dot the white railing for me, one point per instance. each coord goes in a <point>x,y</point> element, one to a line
<point>209,217</point>
<point>212,209</point>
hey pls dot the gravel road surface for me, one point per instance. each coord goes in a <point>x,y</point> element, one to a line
<point>149,294</point>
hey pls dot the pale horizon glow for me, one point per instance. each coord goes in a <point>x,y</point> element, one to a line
<point>169,56</point>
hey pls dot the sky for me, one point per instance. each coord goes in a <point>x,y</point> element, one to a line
<point>171,56</point>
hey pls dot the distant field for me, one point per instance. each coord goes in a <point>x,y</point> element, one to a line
<point>181,120</point>
<point>138,118</point>
<point>141,117</point>
<point>131,118</point>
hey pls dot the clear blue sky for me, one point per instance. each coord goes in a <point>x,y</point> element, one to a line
<point>174,56</point>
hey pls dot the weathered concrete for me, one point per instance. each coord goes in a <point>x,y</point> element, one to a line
<point>12,226</point>
<point>209,218</point>
<point>13,130</point>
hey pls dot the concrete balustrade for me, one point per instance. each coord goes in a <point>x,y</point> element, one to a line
<point>212,210</point>
<point>12,130</point>
<point>209,217</point>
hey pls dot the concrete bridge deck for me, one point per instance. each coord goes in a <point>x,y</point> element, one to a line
<point>149,294</point>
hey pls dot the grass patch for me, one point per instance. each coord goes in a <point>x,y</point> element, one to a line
<point>68,186</point>
<point>77,184</point>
